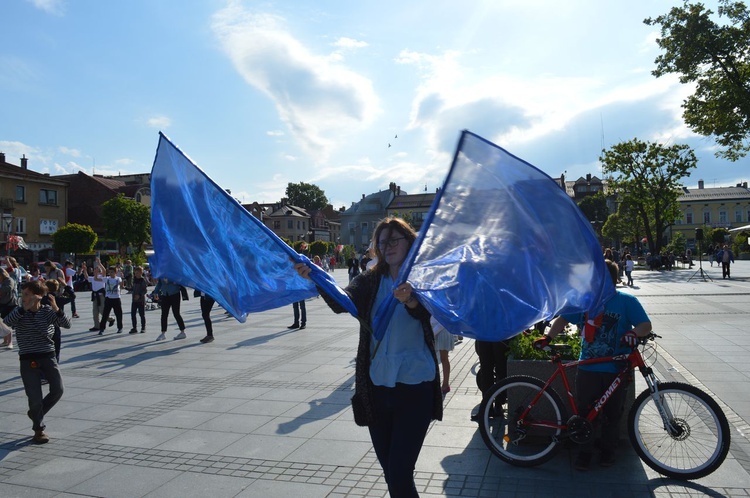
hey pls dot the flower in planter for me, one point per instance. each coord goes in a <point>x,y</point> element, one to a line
<point>521,346</point>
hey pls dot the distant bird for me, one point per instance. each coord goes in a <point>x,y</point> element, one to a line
<point>396,136</point>
<point>389,145</point>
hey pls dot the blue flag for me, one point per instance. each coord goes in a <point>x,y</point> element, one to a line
<point>502,248</point>
<point>203,238</point>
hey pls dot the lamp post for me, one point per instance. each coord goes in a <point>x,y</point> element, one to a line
<point>7,223</point>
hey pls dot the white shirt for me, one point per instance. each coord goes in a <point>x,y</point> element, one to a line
<point>112,287</point>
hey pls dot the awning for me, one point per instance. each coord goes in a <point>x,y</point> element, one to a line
<point>746,227</point>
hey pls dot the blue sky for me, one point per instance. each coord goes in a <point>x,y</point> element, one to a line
<point>260,94</point>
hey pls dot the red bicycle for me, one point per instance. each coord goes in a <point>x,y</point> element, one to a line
<point>676,429</point>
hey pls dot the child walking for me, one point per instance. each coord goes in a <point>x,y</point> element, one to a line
<point>139,288</point>
<point>35,326</point>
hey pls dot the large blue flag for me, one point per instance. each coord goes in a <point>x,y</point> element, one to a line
<point>502,248</point>
<point>203,238</point>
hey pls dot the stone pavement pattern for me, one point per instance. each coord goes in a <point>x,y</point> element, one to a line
<point>264,411</point>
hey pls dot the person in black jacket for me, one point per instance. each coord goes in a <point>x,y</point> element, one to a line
<point>397,388</point>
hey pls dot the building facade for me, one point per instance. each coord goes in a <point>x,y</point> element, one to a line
<point>718,207</point>
<point>359,221</point>
<point>34,206</point>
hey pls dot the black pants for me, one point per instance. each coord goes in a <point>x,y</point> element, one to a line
<point>206,304</point>
<point>111,304</point>
<point>493,363</point>
<point>138,308</point>
<point>403,413</point>
<point>31,375</point>
<point>299,306</point>
<point>172,302</point>
<point>724,270</point>
<point>589,388</point>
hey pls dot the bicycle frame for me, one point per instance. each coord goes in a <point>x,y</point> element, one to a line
<point>634,360</point>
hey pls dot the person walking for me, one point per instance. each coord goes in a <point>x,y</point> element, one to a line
<point>726,256</point>
<point>97,293</point>
<point>443,345</point>
<point>397,384</point>
<point>139,289</point>
<point>207,303</point>
<point>112,301</point>
<point>34,324</point>
<point>169,296</point>
<point>629,265</point>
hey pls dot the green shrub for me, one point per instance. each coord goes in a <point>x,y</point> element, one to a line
<point>521,346</point>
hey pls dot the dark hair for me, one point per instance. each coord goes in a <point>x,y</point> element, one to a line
<point>52,284</point>
<point>613,270</point>
<point>393,225</point>
<point>35,287</point>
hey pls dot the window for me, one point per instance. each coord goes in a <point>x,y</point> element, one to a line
<point>47,196</point>
<point>723,216</point>
<point>20,225</point>
<point>738,215</point>
<point>290,224</point>
<point>277,225</point>
<point>689,217</point>
<point>20,193</point>
<point>706,217</point>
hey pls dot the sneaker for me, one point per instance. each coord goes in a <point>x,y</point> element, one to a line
<point>133,331</point>
<point>40,437</point>
<point>207,339</point>
<point>9,346</point>
<point>143,330</point>
<point>293,326</point>
<point>94,329</point>
<point>607,458</point>
<point>181,335</point>
<point>583,462</point>
<point>302,326</point>
<point>75,315</point>
<point>111,321</point>
<point>161,337</point>
<point>119,331</point>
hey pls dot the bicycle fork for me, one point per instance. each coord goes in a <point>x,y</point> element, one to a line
<point>661,404</point>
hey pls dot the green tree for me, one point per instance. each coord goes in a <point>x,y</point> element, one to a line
<point>713,56</point>
<point>74,238</point>
<point>594,208</point>
<point>678,244</point>
<point>127,221</point>
<point>318,247</point>
<point>646,177</point>
<point>306,196</point>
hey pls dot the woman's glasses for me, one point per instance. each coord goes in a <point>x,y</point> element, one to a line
<point>392,242</point>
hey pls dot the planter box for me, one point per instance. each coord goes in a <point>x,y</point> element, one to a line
<point>543,370</point>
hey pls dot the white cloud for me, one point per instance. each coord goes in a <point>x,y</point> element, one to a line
<point>349,43</point>
<point>319,99</point>
<point>69,152</point>
<point>160,122</point>
<point>54,7</point>
<point>275,133</point>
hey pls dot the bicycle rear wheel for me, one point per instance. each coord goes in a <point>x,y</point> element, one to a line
<point>699,442</point>
<point>521,442</point>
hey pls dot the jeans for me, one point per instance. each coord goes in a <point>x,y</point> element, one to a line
<point>589,388</point>
<point>31,375</point>
<point>403,416</point>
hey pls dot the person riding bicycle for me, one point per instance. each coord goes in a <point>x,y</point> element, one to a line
<point>615,331</point>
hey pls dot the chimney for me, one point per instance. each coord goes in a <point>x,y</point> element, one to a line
<point>398,189</point>
<point>24,162</point>
<point>744,184</point>
<point>363,197</point>
<point>562,181</point>
<point>700,184</point>
<point>2,157</point>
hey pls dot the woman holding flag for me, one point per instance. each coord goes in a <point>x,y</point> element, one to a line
<point>397,391</point>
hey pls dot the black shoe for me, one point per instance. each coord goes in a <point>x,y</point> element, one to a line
<point>302,326</point>
<point>293,326</point>
<point>101,332</point>
<point>133,331</point>
<point>583,462</point>
<point>94,329</point>
<point>207,339</point>
<point>111,321</point>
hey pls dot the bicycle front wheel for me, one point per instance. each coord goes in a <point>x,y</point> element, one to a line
<point>695,441</point>
<point>521,440</point>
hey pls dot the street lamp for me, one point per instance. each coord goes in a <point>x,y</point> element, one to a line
<point>7,223</point>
